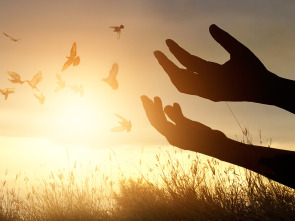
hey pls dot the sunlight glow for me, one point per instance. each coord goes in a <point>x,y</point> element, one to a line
<point>78,118</point>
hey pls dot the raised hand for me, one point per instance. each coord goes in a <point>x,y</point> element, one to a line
<point>183,132</point>
<point>242,78</point>
<point>186,134</point>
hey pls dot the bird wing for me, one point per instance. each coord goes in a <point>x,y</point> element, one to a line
<point>38,97</point>
<point>67,64</point>
<point>7,91</point>
<point>76,61</point>
<point>11,38</point>
<point>37,78</point>
<point>75,88</point>
<point>113,26</point>
<point>58,77</point>
<point>118,34</point>
<point>124,121</point>
<point>6,35</point>
<point>114,84</point>
<point>129,125</point>
<point>118,129</point>
<point>42,98</point>
<point>114,70</point>
<point>14,75</point>
<point>10,90</point>
<point>73,50</point>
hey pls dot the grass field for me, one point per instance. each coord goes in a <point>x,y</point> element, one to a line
<point>188,188</point>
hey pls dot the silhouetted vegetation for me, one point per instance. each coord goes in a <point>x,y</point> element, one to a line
<point>189,187</point>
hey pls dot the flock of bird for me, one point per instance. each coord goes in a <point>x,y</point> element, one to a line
<point>74,60</point>
<point>16,79</point>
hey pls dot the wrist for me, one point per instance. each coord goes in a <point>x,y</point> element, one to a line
<point>282,94</point>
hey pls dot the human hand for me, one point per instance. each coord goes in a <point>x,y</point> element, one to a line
<point>242,78</point>
<point>183,132</point>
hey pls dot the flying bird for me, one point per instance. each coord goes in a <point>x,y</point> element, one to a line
<point>40,98</point>
<point>118,30</point>
<point>111,79</point>
<point>78,89</point>
<point>11,38</point>
<point>7,91</point>
<point>124,125</point>
<point>15,78</point>
<point>73,59</point>
<point>61,83</point>
<point>35,80</point>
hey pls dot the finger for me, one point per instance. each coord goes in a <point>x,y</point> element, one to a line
<point>148,106</point>
<point>182,79</point>
<point>159,109</point>
<point>229,43</point>
<point>191,62</point>
<point>155,114</point>
<point>174,113</point>
<point>170,68</point>
<point>186,81</point>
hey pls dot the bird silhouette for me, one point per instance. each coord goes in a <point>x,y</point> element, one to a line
<point>11,38</point>
<point>118,30</point>
<point>111,79</point>
<point>78,89</point>
<point>73,59</point>
<point>40,98</point>
<point>61,83</point>
<point>15,78</point>
<point>35,80</point>
<point>124,125</point>
<point>7,91</point>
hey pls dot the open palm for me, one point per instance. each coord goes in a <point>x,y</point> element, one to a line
<point>242,78</point>
<point>183,132</point>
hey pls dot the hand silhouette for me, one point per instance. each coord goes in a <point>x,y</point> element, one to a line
<point>186,134</point>
<point>242,78</point>
<point>183,133</point>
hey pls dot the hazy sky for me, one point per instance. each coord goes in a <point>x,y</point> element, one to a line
<point>47,30</point>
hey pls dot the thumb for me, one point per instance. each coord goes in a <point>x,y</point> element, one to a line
<point>229,43</point>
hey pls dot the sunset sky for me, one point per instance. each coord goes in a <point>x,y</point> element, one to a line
<point>32,134</point>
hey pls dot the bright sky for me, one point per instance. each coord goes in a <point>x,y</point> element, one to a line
<point>34,134</point>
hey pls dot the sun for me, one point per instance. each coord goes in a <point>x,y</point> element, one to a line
<point>78,118</point>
